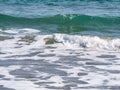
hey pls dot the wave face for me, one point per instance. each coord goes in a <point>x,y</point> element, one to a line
<point>70,23</point>
<point>68,19</point>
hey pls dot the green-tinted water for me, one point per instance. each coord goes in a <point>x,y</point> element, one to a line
<point>92,17</point>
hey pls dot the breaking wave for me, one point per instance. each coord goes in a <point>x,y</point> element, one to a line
<point>68,23</point>
<point>90,42</point>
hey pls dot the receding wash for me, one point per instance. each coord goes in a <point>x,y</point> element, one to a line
<point>59,44</point>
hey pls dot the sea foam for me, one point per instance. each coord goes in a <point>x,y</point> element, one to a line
<point>94,42</point>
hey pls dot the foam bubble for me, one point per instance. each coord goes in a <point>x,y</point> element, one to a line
<point>59,65</point>
<point>58,81</point>
<point>94,42</point>
<point>29,30</point>
<point>21,31</point>
<point>20,85</point>
<point>11,31</point>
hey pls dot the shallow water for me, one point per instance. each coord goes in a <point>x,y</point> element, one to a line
<point>51,67</point>
<point>59,45</point>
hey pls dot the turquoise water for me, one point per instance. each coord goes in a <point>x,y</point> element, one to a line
<point>59,44</point>
<point>86,17</point>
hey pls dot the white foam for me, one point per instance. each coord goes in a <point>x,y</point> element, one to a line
<point>5,71</point>
<point>94,42</point>
<point>29,30</point>
<point>0,30</point>
<point>21,31</point>
<point>20,85</point>
<point>11,31</point>
<point>58,81</point>
<point>69,41</point>
<point>16,47</point>
<point>70,45</point>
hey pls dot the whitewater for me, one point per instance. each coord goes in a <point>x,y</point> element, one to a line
<point>59,45</point>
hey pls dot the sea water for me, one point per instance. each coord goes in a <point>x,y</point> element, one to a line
<point>59,44</point>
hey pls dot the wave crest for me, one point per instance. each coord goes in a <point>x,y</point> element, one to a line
<point>62,19</point>
<point>68,23</point>
<point>93,42</point>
